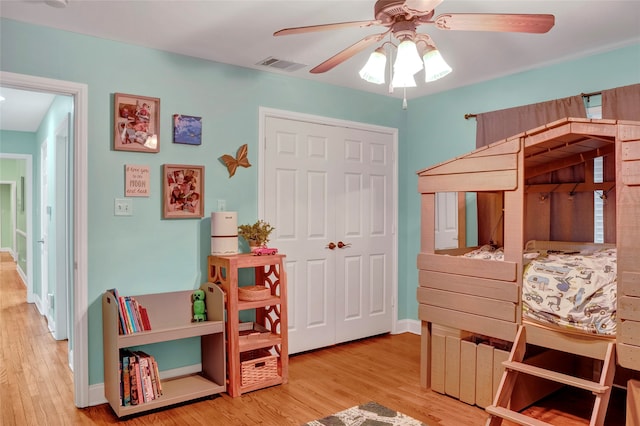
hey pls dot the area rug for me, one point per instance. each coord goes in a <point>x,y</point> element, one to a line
<point>369,414</point>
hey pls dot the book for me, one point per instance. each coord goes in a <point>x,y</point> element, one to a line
<point>137,315</point>
<point>133,373</point>
<point>133,317</point>
<point>126,382</point>
<point>145,373</point>
<point>121,385</point>
<point>145,318</point>
<point>157,373</point>
<point>130,314</point>
<point>125,316</point>
<point>140,381</point>
<point>116,296</point>
<point>155,376</point>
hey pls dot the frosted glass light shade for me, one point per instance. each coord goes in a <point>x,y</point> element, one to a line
<point>408,59</point>
<point>435,67</point>
<point>403,80</point>
<point>374,70</point>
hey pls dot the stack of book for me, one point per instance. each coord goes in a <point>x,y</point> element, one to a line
<point>139,379</point>
<point>133,316</point>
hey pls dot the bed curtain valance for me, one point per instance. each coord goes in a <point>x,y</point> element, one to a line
<point>620,103</point>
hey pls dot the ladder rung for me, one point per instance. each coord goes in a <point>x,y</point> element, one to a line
<point>556,377</point>
<point>514,416</point>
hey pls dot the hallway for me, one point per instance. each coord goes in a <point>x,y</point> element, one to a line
<point>36,383</point>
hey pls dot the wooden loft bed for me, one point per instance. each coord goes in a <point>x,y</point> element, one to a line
<point>484,296</point>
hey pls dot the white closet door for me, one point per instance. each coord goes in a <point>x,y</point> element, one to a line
<point>326,184</point>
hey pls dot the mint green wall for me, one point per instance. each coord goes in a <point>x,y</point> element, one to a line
<point>12,142</point>
<point>143,253</point>
<point>437,131</point>
<point>6,224</point>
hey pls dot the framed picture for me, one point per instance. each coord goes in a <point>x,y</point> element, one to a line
<point>183,191</point>
<point>136,123</point>
<point>187,129</point>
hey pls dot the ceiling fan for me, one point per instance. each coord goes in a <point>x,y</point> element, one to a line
<point>403,17</point>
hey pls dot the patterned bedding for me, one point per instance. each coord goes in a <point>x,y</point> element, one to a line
<point>486,252</point>
<point>572,290</point>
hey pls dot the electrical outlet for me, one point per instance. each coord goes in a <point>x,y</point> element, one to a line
<point>123,207</point>
<point>222,205</point>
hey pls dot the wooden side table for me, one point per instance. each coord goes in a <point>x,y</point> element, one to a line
<point>271,313</point>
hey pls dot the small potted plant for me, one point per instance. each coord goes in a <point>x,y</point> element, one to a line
<point>257,234</point>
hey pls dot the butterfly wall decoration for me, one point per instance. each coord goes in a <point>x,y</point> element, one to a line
<point>239,160</point>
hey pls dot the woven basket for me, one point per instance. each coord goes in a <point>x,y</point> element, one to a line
<point>257,366</point>
<point>252,293</point>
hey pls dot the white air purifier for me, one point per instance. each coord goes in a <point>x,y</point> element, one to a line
<point>224,232</point>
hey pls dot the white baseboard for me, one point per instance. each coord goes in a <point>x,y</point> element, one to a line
<point>39,304</point>
<point>408,326</point>
<point>22,275</point>
<point>96,392</point>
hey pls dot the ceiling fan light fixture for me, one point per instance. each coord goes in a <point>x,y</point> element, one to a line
<point>403,80</point>
<point>435,67</point>
<point>408,59</point>
<point>374,70</point>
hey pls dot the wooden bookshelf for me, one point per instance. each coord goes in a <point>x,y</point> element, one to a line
<point>170,316</point>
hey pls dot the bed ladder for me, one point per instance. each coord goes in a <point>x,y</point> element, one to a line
<point>514,366</point>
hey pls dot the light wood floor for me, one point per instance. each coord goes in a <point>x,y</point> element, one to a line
<point>36,385</point>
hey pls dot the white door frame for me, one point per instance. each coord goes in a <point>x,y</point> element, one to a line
<point>264,112</point>
<point>80,176</point>
<point>44,205</point>
<point>62,248</point>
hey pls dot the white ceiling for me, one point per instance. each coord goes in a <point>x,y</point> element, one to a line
<point>22,110</point>
<point>240,32</point>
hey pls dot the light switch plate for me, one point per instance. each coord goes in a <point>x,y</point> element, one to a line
<point>123,207</point>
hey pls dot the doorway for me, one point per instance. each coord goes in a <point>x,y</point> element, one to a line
<point>78,340</point>
<point>329,187</point>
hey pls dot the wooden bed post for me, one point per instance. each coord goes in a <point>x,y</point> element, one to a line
<point>514,202</point>
<point>427,245</point>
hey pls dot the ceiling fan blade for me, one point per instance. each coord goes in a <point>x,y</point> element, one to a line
<point>518,23</point>
<point>339,58</point>
<point>421,6</point>
<point>325,27</point>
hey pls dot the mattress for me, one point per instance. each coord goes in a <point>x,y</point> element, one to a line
<point>576,290</point>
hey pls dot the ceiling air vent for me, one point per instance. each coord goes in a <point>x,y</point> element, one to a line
<point>280,64</point>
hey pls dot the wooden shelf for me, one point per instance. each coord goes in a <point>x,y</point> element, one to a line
<point>155,336</point>
<point>265,341</point>
<point>175,391</point>
<point>170,316</point>
<point>244,305</point>
<point>271,313</point>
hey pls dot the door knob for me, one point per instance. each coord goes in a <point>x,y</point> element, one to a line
<point>40,241</point>
<point>342,245</point>
<point>331,245</point>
